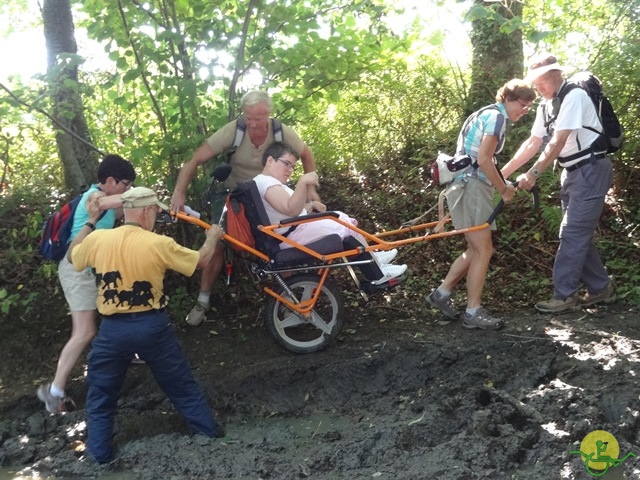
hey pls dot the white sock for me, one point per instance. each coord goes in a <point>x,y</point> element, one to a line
<point>443,292</point>
<point>56,392</point>
<point>203,297</point>
<point>472,311</point>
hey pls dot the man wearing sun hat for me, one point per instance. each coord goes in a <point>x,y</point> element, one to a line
<point>130,263</point>
<point>586,178</point>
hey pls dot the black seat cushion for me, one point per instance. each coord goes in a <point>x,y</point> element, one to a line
<point>324,246</point>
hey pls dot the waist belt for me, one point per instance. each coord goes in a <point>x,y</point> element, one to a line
<point>133,315</point>
<point>582,163</point>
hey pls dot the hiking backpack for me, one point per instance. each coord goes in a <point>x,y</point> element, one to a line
<point>223,170</point>
<point>241,129</point>
<point>56,230</point>
<point>612,134</point>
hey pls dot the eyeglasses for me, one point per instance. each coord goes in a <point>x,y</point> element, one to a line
<point>525,106</point>
<point>288,164</point>
<point>126,183</point>
<point>541,81</point>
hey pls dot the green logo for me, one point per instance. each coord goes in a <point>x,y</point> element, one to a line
<point>599,451</point>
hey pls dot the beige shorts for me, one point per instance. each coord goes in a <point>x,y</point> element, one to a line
<point>472,205</point>
<point>79,287</point>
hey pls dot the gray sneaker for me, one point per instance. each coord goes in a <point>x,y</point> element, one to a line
<point>444,304</point>
<point>52,403</point>
<point>197,314</point>
<point>482,320</point>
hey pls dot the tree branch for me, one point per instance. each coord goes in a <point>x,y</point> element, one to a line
<point>239,60</point>
<point>156,106</point>
<point>57,122</point>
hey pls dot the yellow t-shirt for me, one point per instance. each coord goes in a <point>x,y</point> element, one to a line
<point>246,162</point>
<point>130,263</point>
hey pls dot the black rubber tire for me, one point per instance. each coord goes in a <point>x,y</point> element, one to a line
<point>300,335</point>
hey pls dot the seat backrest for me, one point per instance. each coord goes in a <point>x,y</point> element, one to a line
<point>247,193</point>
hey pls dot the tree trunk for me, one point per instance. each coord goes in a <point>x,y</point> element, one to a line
<point>497,55</point>
<point>79,160</point>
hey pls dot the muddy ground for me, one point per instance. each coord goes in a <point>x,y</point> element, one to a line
<point>401,395</point>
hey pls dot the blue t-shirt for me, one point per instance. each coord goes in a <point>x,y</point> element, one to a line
<point>491,120</point>
<point>81,215</point>
<point>487,121</point>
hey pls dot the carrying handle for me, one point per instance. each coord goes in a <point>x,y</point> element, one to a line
<point>496,211</point>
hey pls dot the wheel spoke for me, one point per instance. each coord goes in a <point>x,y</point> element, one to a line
<point>318,321</point>
<point>290,320</point>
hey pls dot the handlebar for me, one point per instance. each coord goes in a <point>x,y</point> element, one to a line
<point>496,211</point>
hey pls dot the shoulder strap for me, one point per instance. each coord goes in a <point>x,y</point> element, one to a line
<point>241,128</point>
<point>276,127</point>
<point>556,103</point>
<point>467,125</point>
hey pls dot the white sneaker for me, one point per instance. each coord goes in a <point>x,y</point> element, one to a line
<point>386,256</point>
<point>197,314</point>
<point>389,272</point>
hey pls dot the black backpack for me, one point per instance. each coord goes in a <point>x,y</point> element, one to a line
<point>612,135</point>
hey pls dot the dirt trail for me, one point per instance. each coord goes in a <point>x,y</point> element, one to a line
<point>400,396</point>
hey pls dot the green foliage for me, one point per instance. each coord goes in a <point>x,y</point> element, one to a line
<point>405,112</point>
<point>26,278</point>
<point>373,117</point>
<point>175,68</point>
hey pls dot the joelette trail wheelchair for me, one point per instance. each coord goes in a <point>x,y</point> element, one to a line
<point>304,308</point>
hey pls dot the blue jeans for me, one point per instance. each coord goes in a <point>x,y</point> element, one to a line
<point>577,259</point>
<point>152,337</point>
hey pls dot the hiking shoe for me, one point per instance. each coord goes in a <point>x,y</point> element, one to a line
<point>386,256</point>
<point>52,403</point>
<point>197,314</point>
<point>482,320</point>
<point>221,432</point>
<point>555,305</point>
<point>608,295</point>
<point>442,303</point>
<point>389,272</point>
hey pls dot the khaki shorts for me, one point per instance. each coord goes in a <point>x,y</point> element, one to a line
<point>79,287</point>
<point>472,204</point>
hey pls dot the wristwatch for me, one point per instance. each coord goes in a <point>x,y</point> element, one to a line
<point>535,172</point>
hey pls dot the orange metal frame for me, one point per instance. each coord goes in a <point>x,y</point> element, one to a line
<point>376,243</point>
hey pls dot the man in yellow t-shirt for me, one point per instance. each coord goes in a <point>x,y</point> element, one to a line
<point>130,263</point>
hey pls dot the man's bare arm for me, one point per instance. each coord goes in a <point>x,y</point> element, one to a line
<point>187,172</point>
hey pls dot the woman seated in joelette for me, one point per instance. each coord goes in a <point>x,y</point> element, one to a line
<point>282,202</point>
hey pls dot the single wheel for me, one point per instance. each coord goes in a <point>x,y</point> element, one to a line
<point>296,332</point>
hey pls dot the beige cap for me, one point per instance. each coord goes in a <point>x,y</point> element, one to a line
<point>540,65</point>
<point>139,197</point>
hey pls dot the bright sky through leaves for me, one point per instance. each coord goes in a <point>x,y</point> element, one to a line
<point>24,52</point>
